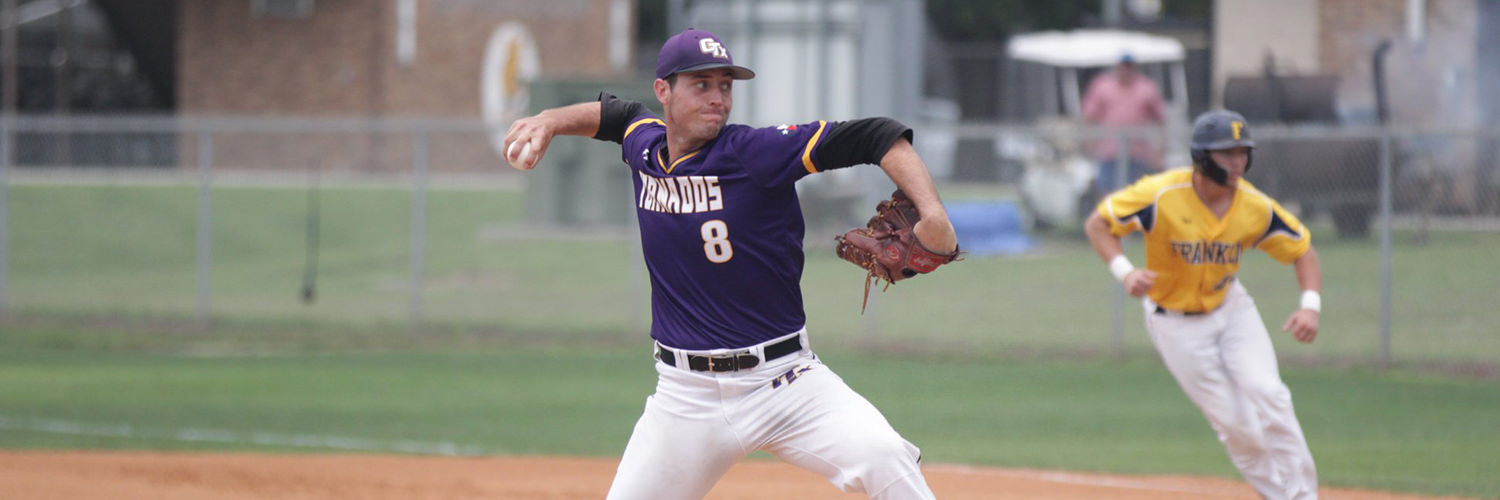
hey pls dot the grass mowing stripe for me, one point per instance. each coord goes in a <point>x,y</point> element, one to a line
<point>341,443</point>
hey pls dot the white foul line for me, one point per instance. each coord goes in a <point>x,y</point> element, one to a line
<point>1079,479</point>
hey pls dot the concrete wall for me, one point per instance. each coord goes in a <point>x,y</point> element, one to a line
<point>1246,31</point>
<point>1430,78</point>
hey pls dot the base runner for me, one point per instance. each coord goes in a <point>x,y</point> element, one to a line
<point>1197,224</point>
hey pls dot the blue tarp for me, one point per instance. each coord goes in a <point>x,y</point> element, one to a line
<point>989,228</point>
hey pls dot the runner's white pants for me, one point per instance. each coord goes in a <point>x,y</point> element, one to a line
<point>1225,363</point>
<point>698,424</point>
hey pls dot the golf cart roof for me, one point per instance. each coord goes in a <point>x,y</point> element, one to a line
<point>1093,48</point>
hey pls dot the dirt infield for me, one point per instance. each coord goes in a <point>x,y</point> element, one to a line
<point>204,476</point>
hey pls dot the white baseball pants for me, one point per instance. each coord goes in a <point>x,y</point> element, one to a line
<point>1225,363</point>
<point>698,424</point>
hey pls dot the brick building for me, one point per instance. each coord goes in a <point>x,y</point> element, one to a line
<point>377,59</point>
<point>1432,67</point>
<point>1441,74</point>
<point>340,57</point>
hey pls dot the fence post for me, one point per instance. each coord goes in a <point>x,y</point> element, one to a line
<point>205,224</point>
<point>418,228</point>
<point>1122,166</point>
<point>1385,248</point>
<point>5,164</point>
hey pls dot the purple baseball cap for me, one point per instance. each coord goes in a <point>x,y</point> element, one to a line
<point>694,50</point>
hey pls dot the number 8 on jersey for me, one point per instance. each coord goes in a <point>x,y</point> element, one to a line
<point>716,241</point>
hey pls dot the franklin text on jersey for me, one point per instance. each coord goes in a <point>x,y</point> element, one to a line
<point>1208,252</point>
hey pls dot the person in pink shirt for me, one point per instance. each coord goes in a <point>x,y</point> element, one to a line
<point>1123,98</point>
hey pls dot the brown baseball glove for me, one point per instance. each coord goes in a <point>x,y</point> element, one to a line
<point>888,248</point>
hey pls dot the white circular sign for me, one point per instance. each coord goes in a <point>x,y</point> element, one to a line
<point>510,63</point>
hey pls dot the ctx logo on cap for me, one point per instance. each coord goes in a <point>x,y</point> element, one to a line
<point>713,47</point>
<point>697,50</point>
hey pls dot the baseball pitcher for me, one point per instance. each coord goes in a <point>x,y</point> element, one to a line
<point>722,235</point>
<point>1197,223</point>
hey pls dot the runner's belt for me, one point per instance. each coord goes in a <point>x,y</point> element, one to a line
<point>1169,312</point>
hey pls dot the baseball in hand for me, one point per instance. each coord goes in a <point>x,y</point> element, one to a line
<point>521,160</point>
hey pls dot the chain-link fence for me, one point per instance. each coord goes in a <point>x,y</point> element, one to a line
<point>300,227</point>
<point>1402,217</point>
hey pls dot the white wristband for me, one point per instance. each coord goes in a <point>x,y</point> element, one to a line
<point>1311,299</point>
<point>1120,267</point>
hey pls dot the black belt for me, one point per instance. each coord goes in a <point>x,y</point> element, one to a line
<point>1163,310</point>
<point>731,362</point>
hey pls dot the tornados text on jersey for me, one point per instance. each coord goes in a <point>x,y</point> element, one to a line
<point>688,194</point>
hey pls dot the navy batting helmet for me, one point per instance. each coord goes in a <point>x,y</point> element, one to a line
<point>1215,130</point>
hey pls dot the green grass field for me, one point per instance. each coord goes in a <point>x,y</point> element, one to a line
<point>534,343</point>
<point>1395,430</point>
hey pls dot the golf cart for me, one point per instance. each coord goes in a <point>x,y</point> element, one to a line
<point>1050,74</point>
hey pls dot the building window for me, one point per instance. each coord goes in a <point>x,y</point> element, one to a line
<point>286,9</point>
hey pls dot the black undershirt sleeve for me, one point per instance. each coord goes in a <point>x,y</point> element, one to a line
<point>858,142</point>
<point>614,116</point>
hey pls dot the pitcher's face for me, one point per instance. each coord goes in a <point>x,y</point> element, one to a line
<point>698,102</point>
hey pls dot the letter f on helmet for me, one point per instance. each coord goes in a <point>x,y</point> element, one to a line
<point>1216,130</point>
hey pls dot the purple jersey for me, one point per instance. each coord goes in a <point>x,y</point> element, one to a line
<point>722,232</point>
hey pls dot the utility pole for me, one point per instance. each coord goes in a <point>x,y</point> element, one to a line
<point>10,25</point>
<point>62,89</point>
<point>1112,12</point>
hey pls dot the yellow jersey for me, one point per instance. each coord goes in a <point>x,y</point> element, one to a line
<point>1194,253</point>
